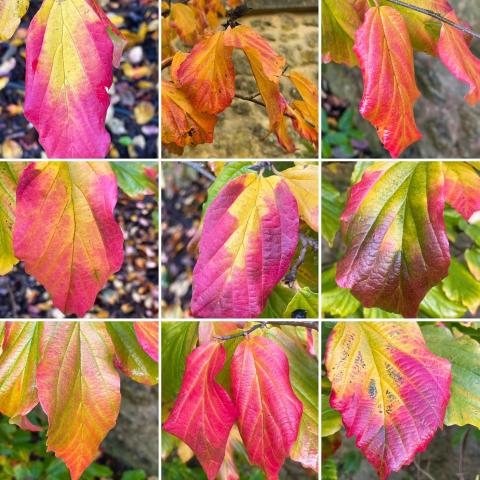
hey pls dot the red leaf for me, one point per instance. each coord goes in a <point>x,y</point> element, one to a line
<point>269,411</point>
<point>455,53</point>
<point>147,334</point>
<point>203,414</point>
<point>385,52</point>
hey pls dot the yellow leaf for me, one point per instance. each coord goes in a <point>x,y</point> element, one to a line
<point>144,112</point>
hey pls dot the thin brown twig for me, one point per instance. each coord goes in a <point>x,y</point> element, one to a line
<point>437,16</point>
<point>167,62</point>
<point>200,169</point>
<point>421,470</point>
<point>306,241</point>
<point>291,323</point>
<point>258,102</point>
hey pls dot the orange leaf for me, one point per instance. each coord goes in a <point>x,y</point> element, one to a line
<point>79,390</point>
<point>455,53</point>
<point>207,75</point>
<point>182,124</point>
<point>267,68</point>
<point>184,21</point>
<point>385,52</point>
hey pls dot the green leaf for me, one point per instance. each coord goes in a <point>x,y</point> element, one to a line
<point>304,380</point>
<point>336,301</point>
<point>379,313</point>
<point>471,229</point>
<point>437,305</point>
<point>332,207</point>
<point>132,179</point>
<point>131,357</point>
<point>304,299</point>
<point>358,170</point>
<point>472,257</point>
<point>464,354</point>
<point>97,470</point>
<point>329,470</point>
<point>178,340</point>
<point>307,273</point>
<point>461,286</point>
<point>134,475</point>
<point>331,419</point>
<point>230,171</point>
<point>277,302</point>
<point>452,219</point>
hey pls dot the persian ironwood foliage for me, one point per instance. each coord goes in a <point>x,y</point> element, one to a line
<point>394,230</point>
<point>395,384</point>
<point>249,237</point>
<point>58,218</point>
<point>381,37</point>
<point>70,370</point>
<point>71,49</point>
<point>202,82</point>
<point>265,382</point>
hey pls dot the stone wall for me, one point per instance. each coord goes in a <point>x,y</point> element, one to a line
<point>242,129</point>
<point>450,127</point>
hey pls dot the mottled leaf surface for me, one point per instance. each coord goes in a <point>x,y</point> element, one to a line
<point>11,12</point>
<point>391,391</point>
<point>148,336</point>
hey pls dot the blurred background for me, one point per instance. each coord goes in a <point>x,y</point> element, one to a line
<point>450,127</point>
<point>132,119</point>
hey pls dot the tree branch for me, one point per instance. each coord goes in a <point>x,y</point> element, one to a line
<point>421,470</point>
<point>258,102</point>
<point>437,16</point>
<point>167,62</point>
<point>291,323</point>
<point>307,241</point>
<point>200,169</point>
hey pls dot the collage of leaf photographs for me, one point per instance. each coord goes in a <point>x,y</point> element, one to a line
<point>214,295</point>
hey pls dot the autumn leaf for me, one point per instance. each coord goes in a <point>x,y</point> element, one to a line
<point>463,353</point>
<point>148,336</point>
<point>249,237</point>
<point>9,174</point>
<point>340,21</point>
<point>455,53</point>
<point>203,414</point>
<point>384,50</point>
<point>462,189</point>
<point>129,356</point>
<point>424,30</point>
<point>79,390</point>
<point>303,183</point>
<point>65,231</point>
<point>18,368</point>
<point>182,124</point>
<point>207,76</point>
<point>269,411</point>
<point>397,248</point>
<point>267,67</point>
<point>11,12</point>
<point>185,23</point>
<point>391,391</point>
<point>70,52</point>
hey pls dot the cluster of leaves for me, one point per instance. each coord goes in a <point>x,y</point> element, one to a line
<point>393,384</point>
<point>248,240</point>
<point>397,256</point>
<point>71,48</point>
<point>57,217</point>
<point>264,380</point>
<point>202,82</point>
<point>380,36</point>
<point>70,368</point>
